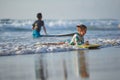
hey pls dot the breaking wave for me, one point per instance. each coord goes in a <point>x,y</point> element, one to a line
<point>102,24</point>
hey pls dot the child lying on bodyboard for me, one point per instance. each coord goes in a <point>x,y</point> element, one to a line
<point>78,39</point>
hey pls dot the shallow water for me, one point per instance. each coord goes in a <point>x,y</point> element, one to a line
<point>99,64</point>
<point>15,43</point>
<point>16,35</point>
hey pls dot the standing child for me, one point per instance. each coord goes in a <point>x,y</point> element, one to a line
<point>37,26</point>
<point>78,38</point>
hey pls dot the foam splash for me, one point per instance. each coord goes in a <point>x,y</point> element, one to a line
<point>9,49</point>
<point>106,42</point>
<point>37,48</point>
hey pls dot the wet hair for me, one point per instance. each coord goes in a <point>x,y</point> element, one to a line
<point>82,26</point>
<point>39,15</point>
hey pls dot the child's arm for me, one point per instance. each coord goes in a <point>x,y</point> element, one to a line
<point>44,30</point>
<point>33,26</point>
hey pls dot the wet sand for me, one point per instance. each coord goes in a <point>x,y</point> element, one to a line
<point>99,64</point>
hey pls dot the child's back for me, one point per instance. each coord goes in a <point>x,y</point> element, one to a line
<point>37,26</point>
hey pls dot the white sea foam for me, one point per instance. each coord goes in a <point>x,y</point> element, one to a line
<point>11,49</point>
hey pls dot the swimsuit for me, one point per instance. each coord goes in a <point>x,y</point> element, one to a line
<point>36,34</point>
<point>77,39</point>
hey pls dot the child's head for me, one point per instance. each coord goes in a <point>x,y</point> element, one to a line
<point>81,29</point>
<point>39,15</point>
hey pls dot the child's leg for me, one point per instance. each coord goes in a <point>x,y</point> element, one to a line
<point>59,43</point>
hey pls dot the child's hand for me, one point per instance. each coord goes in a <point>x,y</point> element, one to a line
<point>87,43</point>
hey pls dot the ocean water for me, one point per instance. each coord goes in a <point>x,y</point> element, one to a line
<point>59,62</point>
<point>16,35</point>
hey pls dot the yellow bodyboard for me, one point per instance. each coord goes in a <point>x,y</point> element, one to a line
<point>90,46</point>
